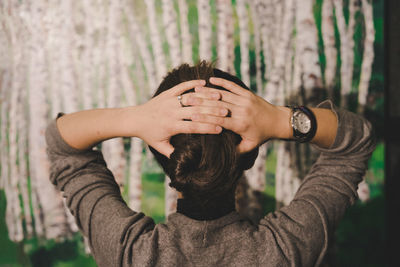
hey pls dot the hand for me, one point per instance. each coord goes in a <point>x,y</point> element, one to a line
<point>253,118</point>
<point>163,116</point>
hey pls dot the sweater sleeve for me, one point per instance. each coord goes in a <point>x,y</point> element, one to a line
<point>303,228</point>
<point>94,198</point>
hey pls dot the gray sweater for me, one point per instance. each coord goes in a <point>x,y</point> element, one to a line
<point>295,235</point>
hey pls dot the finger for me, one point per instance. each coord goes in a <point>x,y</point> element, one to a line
<point>190,98</point>
<point>225,122</point>
<point>209,103</point>
<point>197,127</point>
<point>206,118</point>
<point>231,86</point>
<point>215,95</point>
<point>226,96</point>
<point>184,86</point>
<point>188,112</point>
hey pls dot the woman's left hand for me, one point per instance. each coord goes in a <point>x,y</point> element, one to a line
<point>252,117</point>
<point>163,116</point>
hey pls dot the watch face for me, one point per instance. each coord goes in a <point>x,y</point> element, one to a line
<point>301,122</point>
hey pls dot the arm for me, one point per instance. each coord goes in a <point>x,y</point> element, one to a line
<point>307,224</point>
<point>89,187</point>
<point>302,229</point>
<point>84,129</point>
<point>258,121</point>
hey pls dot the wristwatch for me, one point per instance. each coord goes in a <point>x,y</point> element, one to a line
<point>303,123</point>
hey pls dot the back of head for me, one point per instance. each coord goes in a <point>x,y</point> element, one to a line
<point>203,167</point>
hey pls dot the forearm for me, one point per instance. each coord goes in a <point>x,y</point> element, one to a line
<point>89,188</point>
<point>85,129</point>
<point>327,125</point>
<point>330,187</point>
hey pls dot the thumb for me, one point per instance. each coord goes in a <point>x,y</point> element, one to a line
<point>164,148</point>
<point>246,146</point>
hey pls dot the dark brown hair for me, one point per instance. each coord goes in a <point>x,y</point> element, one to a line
<point>203,166</point>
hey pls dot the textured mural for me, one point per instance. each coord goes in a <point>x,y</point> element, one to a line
<point>65,56</point>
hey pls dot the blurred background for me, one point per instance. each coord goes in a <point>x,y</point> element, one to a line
<point>65,56</point>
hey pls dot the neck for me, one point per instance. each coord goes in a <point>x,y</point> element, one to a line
<point>207,210</point>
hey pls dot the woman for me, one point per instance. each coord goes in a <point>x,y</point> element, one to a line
<point>204,139</point>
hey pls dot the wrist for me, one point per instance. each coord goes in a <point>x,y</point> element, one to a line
<point>129,125</point>
<point>84,129</point>
<point>109,123</point>
<point>283,129</point>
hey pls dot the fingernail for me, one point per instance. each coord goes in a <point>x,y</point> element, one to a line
<point>212,79</point>
<point>203,82</point>
<point>223,111</point>
<point>198,89</point>
<point>218,128</point>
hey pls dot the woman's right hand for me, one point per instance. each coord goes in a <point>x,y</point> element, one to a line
<point>163,116</point>
<point>253,118</point>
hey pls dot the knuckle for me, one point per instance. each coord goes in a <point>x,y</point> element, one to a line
<point>249,94</point>
<point>247,111</point>
<point>248,101</point>
<point>192,127</point>
<point>192,100</point>
<point>189,100</point>
<point>220,120</point>
<point>191,94</point>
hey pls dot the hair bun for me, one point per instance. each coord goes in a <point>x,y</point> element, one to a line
<point>204,165</point>
<point>184,161</point>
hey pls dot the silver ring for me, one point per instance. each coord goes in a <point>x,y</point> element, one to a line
<point>180,101</point>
